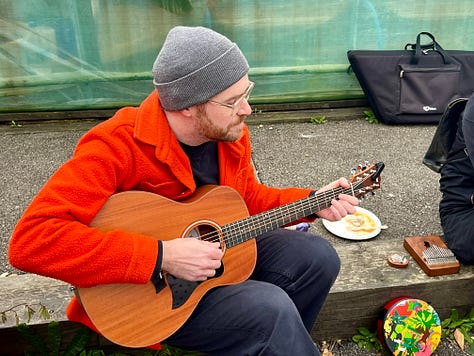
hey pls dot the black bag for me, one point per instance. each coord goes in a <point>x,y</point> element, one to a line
<point>444,136</point>
<point>414,85</point>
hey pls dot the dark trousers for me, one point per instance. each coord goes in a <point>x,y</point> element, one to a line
<point>273,312</point>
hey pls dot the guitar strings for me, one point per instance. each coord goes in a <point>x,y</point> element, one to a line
<point>257,224</point>
<point>235,232</point>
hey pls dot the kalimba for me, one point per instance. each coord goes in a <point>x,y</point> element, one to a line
<point>432,254</point>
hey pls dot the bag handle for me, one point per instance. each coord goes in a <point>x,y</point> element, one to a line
<point>422,49</point>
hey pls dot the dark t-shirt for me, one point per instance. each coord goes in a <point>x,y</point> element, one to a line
<point>204,162</point>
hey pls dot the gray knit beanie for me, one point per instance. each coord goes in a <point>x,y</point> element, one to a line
<point>195,64</point>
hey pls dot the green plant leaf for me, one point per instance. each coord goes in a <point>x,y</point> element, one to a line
<point>54,337</point>
<point>467,336</point>
<point>99,353</point>
<point>364,331</point>
<point>456,324</point>
<point>44,313</point>
<point>366,339</point>
<point>370,117</point>
<point>318,120</point>
<point>15,124</point>
<point>78,343</point>
<point>33,338</point>
<point>29,313</point>
<point>445,323</point>
<point>454,315</point>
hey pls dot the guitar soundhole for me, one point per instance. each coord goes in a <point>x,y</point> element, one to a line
<point>209,233</point>
<point>204,232</point>
<point>182,289</point>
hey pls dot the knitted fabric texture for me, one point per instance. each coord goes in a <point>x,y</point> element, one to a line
<point>194,65</point>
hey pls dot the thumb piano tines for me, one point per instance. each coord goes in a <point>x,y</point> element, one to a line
<point>432,254</point>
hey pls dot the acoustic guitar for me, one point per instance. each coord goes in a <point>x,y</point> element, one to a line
<point>140,315</point>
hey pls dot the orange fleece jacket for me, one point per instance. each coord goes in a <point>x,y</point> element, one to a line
<point>134,150</point>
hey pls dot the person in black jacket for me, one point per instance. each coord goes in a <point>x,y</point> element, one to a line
<point>457,186</point>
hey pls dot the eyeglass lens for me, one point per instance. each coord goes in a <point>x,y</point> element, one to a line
<point>246,96</point>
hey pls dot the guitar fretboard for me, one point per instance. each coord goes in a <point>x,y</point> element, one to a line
<point>242,230</point>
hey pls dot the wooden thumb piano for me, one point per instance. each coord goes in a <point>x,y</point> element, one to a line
<point>432,254</point>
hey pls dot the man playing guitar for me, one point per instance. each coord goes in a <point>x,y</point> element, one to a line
<point>187,135</point>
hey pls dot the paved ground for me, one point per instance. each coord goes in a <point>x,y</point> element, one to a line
<point>303,154</point>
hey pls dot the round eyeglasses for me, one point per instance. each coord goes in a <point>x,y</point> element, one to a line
<point>238,102</point>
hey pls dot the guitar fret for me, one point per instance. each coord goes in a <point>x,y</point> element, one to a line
<point>245,229</point>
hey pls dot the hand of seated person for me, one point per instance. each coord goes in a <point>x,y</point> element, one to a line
<point>340,207</point>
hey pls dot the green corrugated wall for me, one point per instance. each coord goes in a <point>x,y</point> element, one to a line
<point>95,54</point>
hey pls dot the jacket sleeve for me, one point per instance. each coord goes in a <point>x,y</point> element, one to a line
<point>468,128</point>
<point>53,237</point>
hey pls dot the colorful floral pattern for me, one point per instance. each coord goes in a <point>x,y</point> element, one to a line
<point>412,327</point>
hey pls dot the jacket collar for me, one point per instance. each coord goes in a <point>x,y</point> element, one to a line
<point>151,127</point>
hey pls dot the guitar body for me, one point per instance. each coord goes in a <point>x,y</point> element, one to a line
<point>140,315</point>
<point>136,315</point>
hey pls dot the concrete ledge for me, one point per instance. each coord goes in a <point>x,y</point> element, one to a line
<point>319,108</point>
<point>365,284</point>
<point>16,291</point>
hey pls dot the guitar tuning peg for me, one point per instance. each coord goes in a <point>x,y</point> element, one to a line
<point>353,171</point>
<point>366,163</point>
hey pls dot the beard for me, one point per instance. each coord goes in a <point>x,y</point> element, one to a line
<point>208,129</point>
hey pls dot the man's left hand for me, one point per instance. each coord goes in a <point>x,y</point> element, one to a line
<point>340,207</point>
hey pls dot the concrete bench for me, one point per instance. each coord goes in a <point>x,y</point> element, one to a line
<point>365,284</point>
<point>19,291</point>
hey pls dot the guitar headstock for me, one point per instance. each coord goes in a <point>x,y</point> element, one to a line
<point>366,179</point>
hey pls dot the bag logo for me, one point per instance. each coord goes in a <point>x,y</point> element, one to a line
<point>429,108</point>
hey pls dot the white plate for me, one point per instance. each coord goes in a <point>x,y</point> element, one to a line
<point>338,228</point>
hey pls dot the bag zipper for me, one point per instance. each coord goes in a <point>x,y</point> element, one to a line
<point>428,70</point>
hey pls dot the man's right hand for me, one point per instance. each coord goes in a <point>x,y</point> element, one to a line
<point>191,259</point>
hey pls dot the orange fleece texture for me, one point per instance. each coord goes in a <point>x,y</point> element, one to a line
<point>134,150</point>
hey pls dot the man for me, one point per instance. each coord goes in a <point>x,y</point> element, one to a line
<point>187,133</point>
<point>457,188</point>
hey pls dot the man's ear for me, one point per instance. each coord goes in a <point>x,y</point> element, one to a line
<point>187,112</point>
<point>192,112</point>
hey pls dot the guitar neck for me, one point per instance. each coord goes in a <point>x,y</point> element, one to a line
<point>242,230</point>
